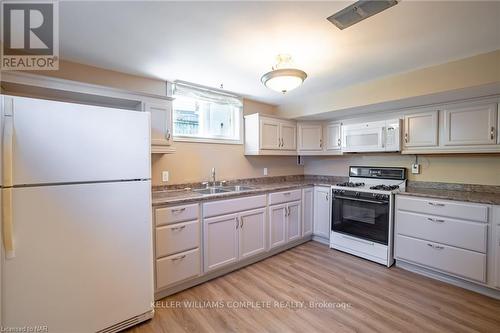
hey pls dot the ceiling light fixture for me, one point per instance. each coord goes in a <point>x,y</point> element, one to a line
<point>283,77</point>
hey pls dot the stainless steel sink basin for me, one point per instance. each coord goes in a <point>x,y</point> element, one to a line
<point>211,190</point>
<point>238,188</point>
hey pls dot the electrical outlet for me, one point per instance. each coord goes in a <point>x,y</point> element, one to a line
<point>265,171</point>
<point>164,176</point>
<point>415,169</point>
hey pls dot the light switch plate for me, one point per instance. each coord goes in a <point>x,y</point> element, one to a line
<point>415,169</point>
<point>265,171</point>
<point>164,176</point>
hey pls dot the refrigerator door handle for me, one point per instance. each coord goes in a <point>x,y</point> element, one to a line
<point>8,141</point>
<point>7,227</point>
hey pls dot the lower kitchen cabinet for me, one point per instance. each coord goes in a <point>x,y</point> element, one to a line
<point>252,233</point>
<point>284,223</point>
<point>322,207</point>
<point>233,237</point>
<point>307,211</point>
<point>221,241</point>
<point>449,237</point>
<point>293,221</point>
<point>177,245</point>
<point>496,244</point>
<point>277,225</point>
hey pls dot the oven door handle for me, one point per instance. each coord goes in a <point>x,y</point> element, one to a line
<point>362,200</point>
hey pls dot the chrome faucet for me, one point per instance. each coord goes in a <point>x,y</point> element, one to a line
<point>213,177</point>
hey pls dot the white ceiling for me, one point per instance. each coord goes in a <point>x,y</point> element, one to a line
<point>234,43</point>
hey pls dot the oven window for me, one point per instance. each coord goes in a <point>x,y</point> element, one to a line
<point>361,219</point>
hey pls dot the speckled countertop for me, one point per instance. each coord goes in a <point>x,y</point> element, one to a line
<point>164,197</point>
<point>458,192</point>
<point>175,195</point>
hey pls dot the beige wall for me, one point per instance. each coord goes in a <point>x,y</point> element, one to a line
<point>193,161</point>
<point>474,71</point>
<point>470,169</point>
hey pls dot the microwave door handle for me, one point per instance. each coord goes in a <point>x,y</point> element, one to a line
<point>362,200</point>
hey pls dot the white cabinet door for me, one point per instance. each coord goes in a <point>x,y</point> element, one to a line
<point>220,241</point>
<point>252,233</point>
<point>288,132</point>
<point>322,211</point>
<point>471,125</point>
<point>310,137</point>
<point>269,133</point>
<point>277,225</point>
<point>307,211</point>
<point>161,122</point>
<point>333,137</point>
<point>421,129</point>
<point>293,221</point>
<point>497,255</point>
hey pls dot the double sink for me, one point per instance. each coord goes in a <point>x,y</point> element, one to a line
<point>223,189</point>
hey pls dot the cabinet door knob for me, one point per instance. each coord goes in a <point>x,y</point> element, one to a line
<point>492,133</point>
<point>339,142</point>
<point>406,137</point>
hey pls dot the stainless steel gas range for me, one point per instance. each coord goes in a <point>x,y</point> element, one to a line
<point>363,212</point>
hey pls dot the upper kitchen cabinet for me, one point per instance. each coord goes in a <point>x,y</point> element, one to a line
<point>319,138</point>
<point>333,138</point>
<point>267,135</point>
<point>467,127</point>
<point>161,125</point>
<point>421,130</point>
<point>470,125</point>
<point>310,137</point>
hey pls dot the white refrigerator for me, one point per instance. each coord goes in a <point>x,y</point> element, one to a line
<point>76,217</point>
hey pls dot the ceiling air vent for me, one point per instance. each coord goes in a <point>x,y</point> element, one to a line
<point>359,11</point>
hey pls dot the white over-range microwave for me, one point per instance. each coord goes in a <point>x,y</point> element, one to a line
<point>376,136</point>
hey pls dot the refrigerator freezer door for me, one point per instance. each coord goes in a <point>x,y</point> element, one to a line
<point>83,256</point>
<point>58,142</point>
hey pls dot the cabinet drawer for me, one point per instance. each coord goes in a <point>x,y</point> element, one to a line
<point>460,210</point>
<point>178,267</point>
<point>230,206</point>
<point>464,263</point>
<point>464,234</point>
<point>285,196</point>
<point>176,214</point>
<point>174,238</point>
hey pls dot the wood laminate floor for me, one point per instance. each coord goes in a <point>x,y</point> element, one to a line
<point>361,296</point>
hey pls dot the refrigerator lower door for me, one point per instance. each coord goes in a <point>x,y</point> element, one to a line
<point>84,257</point>
<point>58,142</point>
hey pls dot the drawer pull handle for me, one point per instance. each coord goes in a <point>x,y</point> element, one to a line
<point>435,220</point>
<point>179,228</point>
<point>358,240</point>
<point>287,193</point>
<point>436,204</point>
<point>178,210</point>
<point>435,247</point>
<point>178,258</point>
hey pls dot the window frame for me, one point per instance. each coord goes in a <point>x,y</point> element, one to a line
<point>187,138</point>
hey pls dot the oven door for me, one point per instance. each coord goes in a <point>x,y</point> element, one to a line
<point>361,215</point>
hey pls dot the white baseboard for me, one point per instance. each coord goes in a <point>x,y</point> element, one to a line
<point>321,240</point>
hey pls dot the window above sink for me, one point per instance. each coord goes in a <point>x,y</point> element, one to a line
<point>206,115</point>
